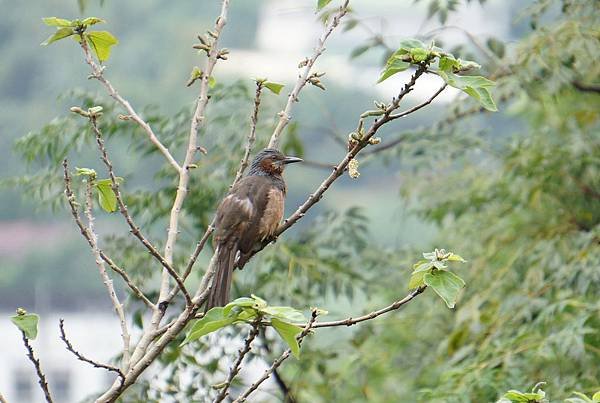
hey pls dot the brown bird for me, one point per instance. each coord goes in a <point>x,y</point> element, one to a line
<point>250,212</point>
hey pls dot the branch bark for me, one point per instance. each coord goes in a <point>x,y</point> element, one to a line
<point>38,369</point>
<point>284,115</point>
<point>235,368</point>
<point>98,74</point>
<point>81,357</point>
<point>277,363</point>
<point>105,277</point>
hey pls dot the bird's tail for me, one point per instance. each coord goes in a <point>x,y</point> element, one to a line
<point>221,283</point>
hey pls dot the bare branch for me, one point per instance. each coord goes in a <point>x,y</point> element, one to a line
<point>123,209</point>
<point>197,120</point>
<point>81,357</point>
<point>307,64</point>
<point>2,399</point>
<point>105,278</point>
<point>38,369</point>
<point>235,368</point>
<point>251,135</point>
<point>278,361</point>
<point>75,213</point>
<point>97,73</point>
<point>421,105</point>
<point>353,321</point>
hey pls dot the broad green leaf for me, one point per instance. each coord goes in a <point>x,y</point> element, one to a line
<point>106,195</point>
<point>288,333</point>
<point>419,54</point>
<point>596,397</point>
<point>446,284</point>
<point>416,280</point>
<point>259,303</point>
<point>476,86</point>
<point>60,33</point>
<point>57,22</point>
<point>393,66</point>
<point>322,3</point>
<point>212,321</point>
<point>448,64</point>
<point>286,313</point>
<point>101,42</point>
<point>429,255</point>
<point>91,21</point>
<point>273,87</point>
<point>27,323</point>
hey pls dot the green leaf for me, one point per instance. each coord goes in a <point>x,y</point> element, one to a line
<point>60,33</point>
<point>455,258</point>
<point>393,66</point>
<point>101,42</point>
<point>92,21</point>
<point>419,54</point>
<point>422,267</point>
<point>27,323</point>
<point>581,398</point>
<point>446,284</point>
<point>274,87</point>
<point>322,3</point>
<point>596,397</point>
<point>213,320</point>
<point>476,86</point>
<point>286,313</point>
<point>416,280</point>
<point>57,22</point>
<point>85,172</point>
<point>106,195</point>
<point>211,82</point>
<point>243,302</point>
<point>359,51</point>
<point>288,333</point>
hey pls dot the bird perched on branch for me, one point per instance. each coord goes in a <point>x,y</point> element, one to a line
<point>250,213</point>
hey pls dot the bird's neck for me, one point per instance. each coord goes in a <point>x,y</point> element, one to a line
<point>276,178</point>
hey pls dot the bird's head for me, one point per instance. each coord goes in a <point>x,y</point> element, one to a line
<point>270,162</point>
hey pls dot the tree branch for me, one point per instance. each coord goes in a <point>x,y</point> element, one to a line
<point>105,278</point>
<point>81,357</point>
<point>235,368</point>
<point>38,369</point>
<point>353,321</point>
<point>123,209</point>
<point>75,213</point>
<point>307,64</point>
<point>97,73</point>
<point>278,361</point>
<point>197,120</point>
<point>251,135</point>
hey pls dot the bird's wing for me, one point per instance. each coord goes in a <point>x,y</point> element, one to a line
<point>233,217</point>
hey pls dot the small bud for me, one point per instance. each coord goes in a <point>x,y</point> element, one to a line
<point>212,33</point>
<point>21,311</point>
<point>353,168</point>
<point>79,111</point>
<point>375,140</point>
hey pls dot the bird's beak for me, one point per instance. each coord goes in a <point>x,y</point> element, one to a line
<point>291,160</point>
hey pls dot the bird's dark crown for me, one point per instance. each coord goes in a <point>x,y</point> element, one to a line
<point>270,162</point>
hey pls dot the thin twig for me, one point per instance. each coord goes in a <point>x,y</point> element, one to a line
<point>288,397</point>
<point>97,73</point>
<point>81,357</point>
<point>278,361</point>
<point>123,209</point>
<point>38,369</point>
<point>108,283</point>
<point>284,115</point>
<point>235,367</point>
<point>192,260</point>
<point>75,213</point>
<point>353,321</point>
<point>251,135</point>
<point>2,399</point>
<point>421,105</point>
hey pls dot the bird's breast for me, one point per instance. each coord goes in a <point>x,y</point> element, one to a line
<point>273,212</point>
